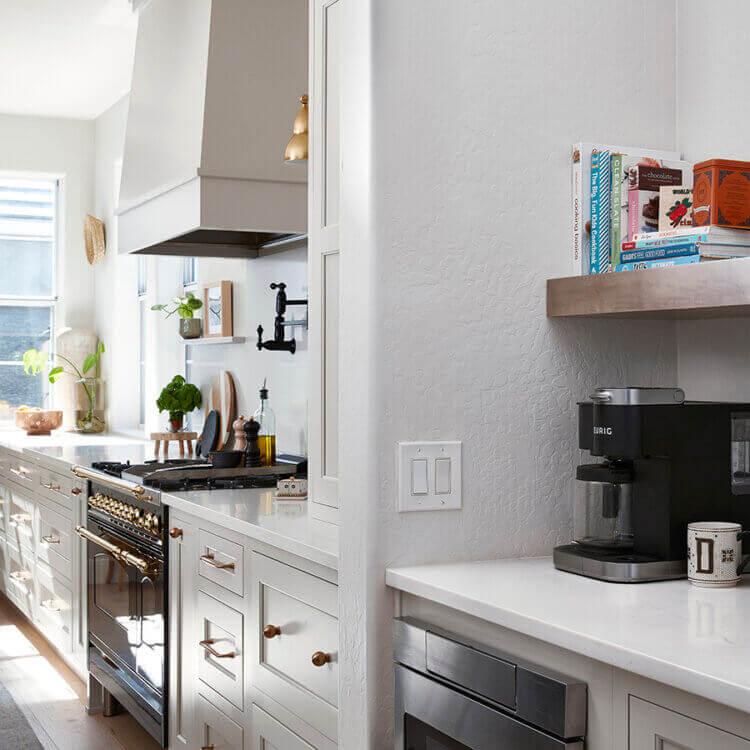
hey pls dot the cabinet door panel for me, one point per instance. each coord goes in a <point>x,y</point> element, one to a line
<point>655,728</point>
<point>182,638</point>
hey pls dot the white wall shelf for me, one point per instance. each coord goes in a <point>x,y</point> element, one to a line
<point>203,341</point>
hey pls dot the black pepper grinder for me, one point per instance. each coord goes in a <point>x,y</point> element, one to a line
<point>252,449</point>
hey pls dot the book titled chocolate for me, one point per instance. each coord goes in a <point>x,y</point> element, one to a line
<point>644,181</point>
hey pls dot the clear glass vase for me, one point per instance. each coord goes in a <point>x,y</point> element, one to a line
<point>89,405</point>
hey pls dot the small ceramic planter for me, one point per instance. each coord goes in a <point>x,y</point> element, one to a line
<point>190,328</point>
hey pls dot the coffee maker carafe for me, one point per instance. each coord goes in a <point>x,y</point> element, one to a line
<point>666,462</point>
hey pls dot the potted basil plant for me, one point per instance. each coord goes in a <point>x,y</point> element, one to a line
<point>185,307</point>
<point>178,398</point>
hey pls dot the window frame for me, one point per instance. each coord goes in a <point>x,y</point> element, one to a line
<point>52,300</point>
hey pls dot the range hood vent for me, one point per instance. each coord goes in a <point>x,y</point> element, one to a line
<point>215,88</point>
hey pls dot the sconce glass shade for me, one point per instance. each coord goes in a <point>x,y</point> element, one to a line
<point>296,149</point>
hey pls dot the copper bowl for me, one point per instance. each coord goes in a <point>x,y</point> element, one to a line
<point>38,422</point>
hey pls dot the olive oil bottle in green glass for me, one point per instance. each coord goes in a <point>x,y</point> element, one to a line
<point>265,417</point>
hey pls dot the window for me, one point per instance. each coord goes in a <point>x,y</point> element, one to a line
<point>142,318</point>
<point>28,252</point>
<point>189,284</point>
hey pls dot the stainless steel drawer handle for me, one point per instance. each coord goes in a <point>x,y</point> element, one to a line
<point>50,486</point>
<point>51,605</point>
<point>50,539</point>
<point>320,658</point>
<point>207,645</point>
<point>20,575</point>
<point>209,558</point>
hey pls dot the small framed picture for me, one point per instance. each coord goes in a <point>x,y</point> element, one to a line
<point>217,306</point>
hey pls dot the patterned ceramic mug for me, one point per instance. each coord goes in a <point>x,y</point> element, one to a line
<point>715,553</point>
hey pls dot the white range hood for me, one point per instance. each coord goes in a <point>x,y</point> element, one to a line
<point>216,85</point>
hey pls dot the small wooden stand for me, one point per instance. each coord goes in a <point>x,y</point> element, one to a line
<point>180,437</point>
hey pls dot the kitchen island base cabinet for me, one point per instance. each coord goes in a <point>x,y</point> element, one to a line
<point>653,727</point>
<point>224,671</point>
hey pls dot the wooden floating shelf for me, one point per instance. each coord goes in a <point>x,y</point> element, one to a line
<point>712,289</point>
<point>202,341</point>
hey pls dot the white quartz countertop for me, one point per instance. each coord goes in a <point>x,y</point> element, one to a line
<point>285,524</point>
<point>695,639</point>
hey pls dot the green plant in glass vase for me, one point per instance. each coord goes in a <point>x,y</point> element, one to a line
<point>178,398</point>
<point>35,362</point>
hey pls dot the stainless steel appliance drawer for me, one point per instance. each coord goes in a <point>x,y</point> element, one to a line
<point>454,694</point>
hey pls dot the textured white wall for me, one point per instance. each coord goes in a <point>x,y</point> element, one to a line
<point>713,111</point>
<point>474,110</point>
<point>63,148</point>
<point>117,318</point>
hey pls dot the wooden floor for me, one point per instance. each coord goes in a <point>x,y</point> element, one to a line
<point>53,697</point>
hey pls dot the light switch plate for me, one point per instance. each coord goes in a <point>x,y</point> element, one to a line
<point>443,451</point>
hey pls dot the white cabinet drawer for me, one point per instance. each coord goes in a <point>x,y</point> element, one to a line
<point>21,521</point>
<point>23,472</point>
<point>20,580</point>
<point>221,649</point>
<point>214,729</point>
<point>271,734</point>
<point>296,656</point>
<point>54,541</point>
<point>221,561</point>
<point>54,608</point>
<point>58,489</point>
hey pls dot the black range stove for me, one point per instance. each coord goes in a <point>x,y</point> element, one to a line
<point>183,475</point>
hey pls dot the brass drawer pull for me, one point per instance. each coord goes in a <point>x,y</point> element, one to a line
<point>271,631</point>
<point>75,491</point>
<point>20,575</point>
<point>175,533</point>
<point>21,517</point>
<point>51,605</point>
<point>23,473</point>
<point>320,658</point>
<point>50,539</point>
<point>209,558</point>
<point>207,645</point>
<point>207,747</point>
<point>50,486</point>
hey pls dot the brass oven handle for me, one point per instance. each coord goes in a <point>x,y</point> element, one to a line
<point>207,645</point>
<point>51,605</point>
<point>50,539</point>
<point>128,558</point>
<point>271,631</point>
<point>209,558</point>
<point>83,472</point>
<point>51,486</point>
<point>320,658</point>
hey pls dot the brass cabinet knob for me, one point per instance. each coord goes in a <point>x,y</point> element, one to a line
<point>175,533</point>
<point>207,747</point>
<point>271,631</point>
<point>319,658</point>
<point>75,491</point>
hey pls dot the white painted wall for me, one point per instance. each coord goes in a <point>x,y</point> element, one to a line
<point>63,148</point>
<point>463,197</point>
<point>117,318</point>
<point>713,111</point>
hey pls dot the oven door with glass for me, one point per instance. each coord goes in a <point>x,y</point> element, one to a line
<point>453,694</point>
<point>127,606</point>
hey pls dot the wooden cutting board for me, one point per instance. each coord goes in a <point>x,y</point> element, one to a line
<point>221,397</point>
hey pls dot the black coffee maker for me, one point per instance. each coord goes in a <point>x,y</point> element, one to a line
<point>668,462</point>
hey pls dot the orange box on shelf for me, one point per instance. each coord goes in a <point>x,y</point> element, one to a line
<point>721,193</point>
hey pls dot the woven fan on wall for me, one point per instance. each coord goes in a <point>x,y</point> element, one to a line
<point>93,238</point>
